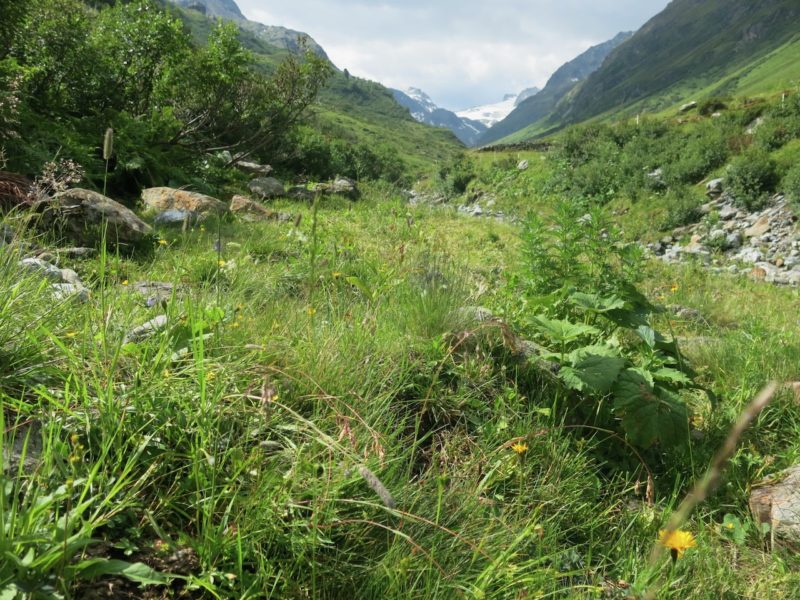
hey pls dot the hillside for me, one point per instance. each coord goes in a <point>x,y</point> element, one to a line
<point>689,43</point>
<point>349,109</point>
<point>564,80</point>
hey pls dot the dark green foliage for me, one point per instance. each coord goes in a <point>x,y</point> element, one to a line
<point>594,323</point>
<point>751,178</point>
<point>791,185</point>
<point>454,177</point>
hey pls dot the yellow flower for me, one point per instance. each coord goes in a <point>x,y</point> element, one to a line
<point>167,373</point>
<point>677,541</point>
<point>311,311</point>
<point>162,242</point>
<point>729,526</point>
<point>235,324</point>
<point>124,282</point>
<point>336,274</point>
<point>210,376</point>
<point>674,288</point>
<point>71,334</point>
<point>221,263</point>
<point>520,448</point>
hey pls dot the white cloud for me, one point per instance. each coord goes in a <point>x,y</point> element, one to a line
<point>461,52</point>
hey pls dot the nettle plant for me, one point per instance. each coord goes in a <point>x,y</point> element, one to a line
<point>586,313</point>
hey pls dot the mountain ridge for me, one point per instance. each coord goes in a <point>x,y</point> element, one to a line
<point>560,84</point>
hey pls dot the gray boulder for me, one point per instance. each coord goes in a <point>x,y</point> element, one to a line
<point>267,187</point>
<point>714,188</point>
<point>523,165</point>
<point>254,168</point>
<point>80,215</point>
<point>178,218</point>
<point>776,501</point>
<point>146,330</point>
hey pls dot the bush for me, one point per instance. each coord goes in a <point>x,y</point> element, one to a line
<point>791,185</point>
<point>751,178</point>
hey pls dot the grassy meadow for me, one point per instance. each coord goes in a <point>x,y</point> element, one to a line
<point>326,415</point>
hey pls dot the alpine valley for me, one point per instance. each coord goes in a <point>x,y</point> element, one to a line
<point>270,329</point>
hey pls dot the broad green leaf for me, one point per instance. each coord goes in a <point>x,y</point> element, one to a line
<point>672,376</point>
<point>563,331</point>
<point>593,373</point>
<point>649,414</point>
<point>648,334</point>
<point>138,572</point>
<point>597,303</point>
<point>595,350</point>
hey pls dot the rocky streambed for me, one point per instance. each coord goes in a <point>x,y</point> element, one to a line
<point>763,244</point>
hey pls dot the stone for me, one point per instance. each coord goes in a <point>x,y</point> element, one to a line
<point>266,187</point>
<point>254,168</point>
<point>249,210</point>
<point>77,252</point>
<point>717,235</point>
<point>146,330</point>
<point>42,268</point>
<point>160,199</point>
<point>71,277</point>
<point>300,192</point>
<point>341,185</point>
<point>688,106</point>
<point>523,165</point>
<point>176,217</point>
<point>154,292</point>
<point>733,240</point>
<point>759,228</point>
<point>727,212</point>
<point>80,215</point>
<point>714,188</point>
<point>776,501</point>
<point>22,448</point>
<point>70,291</point>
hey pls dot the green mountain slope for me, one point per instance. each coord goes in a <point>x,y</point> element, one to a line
<point>690,41</point>
<point>349,108</point>
<point>561,83</point>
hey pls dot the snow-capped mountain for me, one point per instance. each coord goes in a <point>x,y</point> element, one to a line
<point>424,110</point>
<point>489,114</point>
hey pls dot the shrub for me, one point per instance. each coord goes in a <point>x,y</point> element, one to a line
<point>751,178</point>
<point>791,185</point>
<point>591,320</point>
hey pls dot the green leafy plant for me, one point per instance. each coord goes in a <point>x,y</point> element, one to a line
<point>751,177</point>
<point>593,322</point>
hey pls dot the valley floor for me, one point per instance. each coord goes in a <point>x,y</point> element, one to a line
<point>324,413</point>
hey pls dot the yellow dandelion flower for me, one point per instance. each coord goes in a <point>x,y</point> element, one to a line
<point>210,376</point>
<point>311,311</point>
<point>520,448</point>
<point>729,526</point>
<point>162,242</point>
<point>336,274</point>
<point>221,263</point>
<point>71,334</point>
<point>678,542</point>
<point>674,288</point>
<point>124,282</point>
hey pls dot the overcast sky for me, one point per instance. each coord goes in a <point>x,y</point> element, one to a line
<point>461,52</point>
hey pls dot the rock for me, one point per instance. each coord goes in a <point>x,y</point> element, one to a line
<point>776,501</point>
<point>688,106</point>
<point>727,212</point>
<point>266,187</point>
<point>161,199</point>
<point>759,228</point>
<point>478,314</point>
<point>714,188</point>
<point>733,240</point>
<point>341,185</point>
<point>523,165</point>
<point>41,267</point>
<point>70,291</point>
<point>80,214</point>
<point>6,234</point>
<point>176,217</point>
<point>753,127</point>
<point>717,235</point>
<point>248,210</point>
<point>146,330</point>
<point>77,252</point>
<point>22,448</point>
<point>154,292</point>
<point>71,277</point>
<point>254,168</point>
<point>300,192</point>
